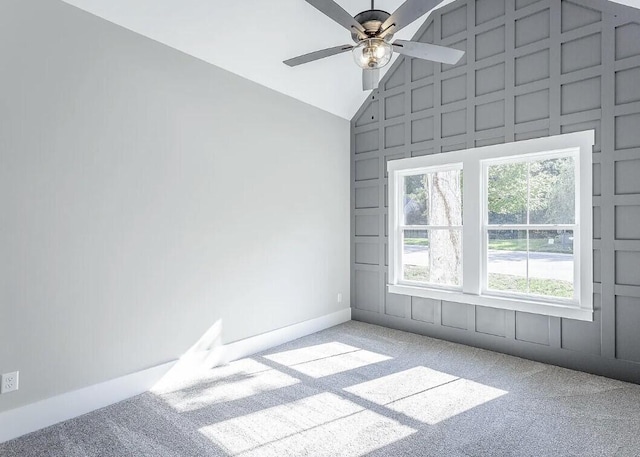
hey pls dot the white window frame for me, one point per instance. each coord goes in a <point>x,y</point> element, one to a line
<point>474,163</point>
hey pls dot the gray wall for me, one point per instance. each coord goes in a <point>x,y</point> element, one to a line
<point>146,195</point>
<point>531,69</point>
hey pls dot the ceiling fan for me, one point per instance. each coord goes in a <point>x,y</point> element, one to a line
<point>372,31</point>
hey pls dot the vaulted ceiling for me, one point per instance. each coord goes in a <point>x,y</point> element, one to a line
<point>251,38</point>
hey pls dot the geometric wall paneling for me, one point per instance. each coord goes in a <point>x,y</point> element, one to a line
<point>627,40</point>
<point>524,3</point>
<point>531,68</point>
<point>366,293</point>
<point>394,106</point>
<point>394,135</point>
<point>424,309</point>
<point>454,22</point>
<point>575,16</point>
<point>367,253</point>
<point>627,86</point>
<point>454,315</point>
<point>626,177</point>
<point>532,106</point>
<point>396,305</point>
<point>490,79</point>
<point>535,27</point>
<point>422,130</point>
<point>366,169</point>
<point>454,89</point>
<point>491,321</point>
<point>628,223</point>
<point>422,98</point>
<point>490,43</point>
<point>581,336</point>
<point>533,328</point>
<point>369,115</point>
<point>627,268</point>
<point>627,318</point>
<point>582,95</point>
<point>487,10</point>
<point>582,53</point>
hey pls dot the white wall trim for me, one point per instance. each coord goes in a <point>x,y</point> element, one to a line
<point>35,416</point>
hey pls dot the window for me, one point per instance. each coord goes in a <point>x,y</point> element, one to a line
<point>506,226</point>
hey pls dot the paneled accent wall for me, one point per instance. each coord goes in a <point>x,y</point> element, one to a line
<point>531,69</point>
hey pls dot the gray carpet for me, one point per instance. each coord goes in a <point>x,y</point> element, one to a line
<point>359,389</point>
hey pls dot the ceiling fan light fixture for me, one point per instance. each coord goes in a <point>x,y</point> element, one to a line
<point>372,53</point>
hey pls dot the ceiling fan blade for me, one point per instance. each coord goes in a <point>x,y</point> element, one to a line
<point>407,13</point>
<point>428,51</point>
<point>338,14</point>
<point>370,79</point>
<point>318,55</point>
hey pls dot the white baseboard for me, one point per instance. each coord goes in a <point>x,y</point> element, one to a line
<point>41,414</point>
<point>35,416</point>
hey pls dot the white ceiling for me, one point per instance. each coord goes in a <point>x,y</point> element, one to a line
<point>252,37</point>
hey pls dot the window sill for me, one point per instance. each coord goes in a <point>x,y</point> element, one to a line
<point>534,307</point>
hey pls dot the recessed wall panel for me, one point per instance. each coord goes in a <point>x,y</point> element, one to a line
<point>366,169</point>
<point>487,10</point>
<point>490,43</point>
<point>394,136</point>
<point>580,96</point>
<point>367,197</point>
<point>627,86</point>
<point>454,89</point>
<point>533,328</point>
<point>490,115</point>
<point>423,309</point>
<point>492,321</point>
<point>367,253</point>
<point>422,98</point>
<point>627,40</point>
<point>366,225</point>
<point>366,141</point>
<point>454,123</point>
<point>627,334</point>
<point>581,53</point>
<point>532,28</point>
<point>490,79</point>
<point>628,222</point>
<point>394,106</point>
<point>532,106</point>
<point>628,131</point>
<point>626,177</point>
<point>422,130</point>
<point>454,315</point>
<point>628,268</point>
<point>366,290</point>
<point>532,67</point>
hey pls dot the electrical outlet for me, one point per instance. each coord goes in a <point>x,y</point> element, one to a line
<point>340,298</point>
<point>9,382</point>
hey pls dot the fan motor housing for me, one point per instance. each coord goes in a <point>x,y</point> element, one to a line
<point>371,20</point>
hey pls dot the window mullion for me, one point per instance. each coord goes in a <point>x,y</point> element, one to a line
<point>472,226</point>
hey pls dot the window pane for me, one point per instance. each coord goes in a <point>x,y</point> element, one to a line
<point>433,198</point>
<point>551,263</point>
<point>507,193</point>
<point>433,256</point>
<point>507,260</point>
<point>543,268</point>
<point>552,191</point>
